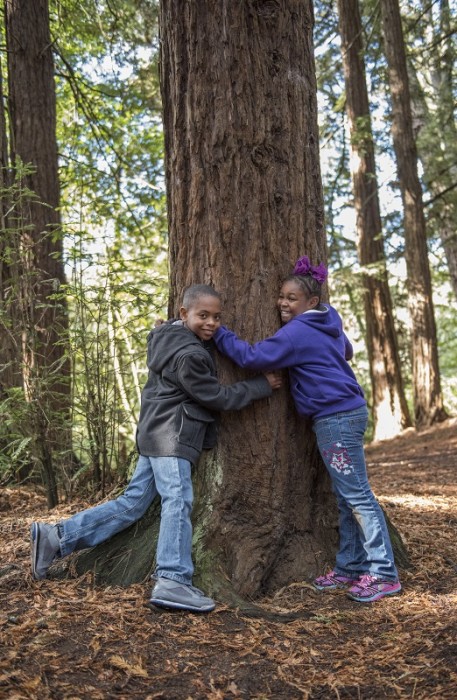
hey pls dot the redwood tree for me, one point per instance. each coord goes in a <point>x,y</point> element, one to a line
<point>390,410</point>
<point>432,75</point>
<point>9,361</point>
<point>428,403</point>
<point>245,200</point>
<point>41,305</point>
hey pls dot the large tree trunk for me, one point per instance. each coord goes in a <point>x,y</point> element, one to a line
<point>245,200</point>
<point>428,403</point>
<point>389,407</point>
<point>32,112</point>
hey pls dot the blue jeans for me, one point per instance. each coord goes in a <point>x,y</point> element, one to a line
<point>170,477</point>
<point>365,545</point>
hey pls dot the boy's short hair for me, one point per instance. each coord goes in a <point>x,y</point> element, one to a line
<point>196,291</point>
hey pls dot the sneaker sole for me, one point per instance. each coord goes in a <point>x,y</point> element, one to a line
<point>335,587</point>
<point>180,606</point>
<point>340,586</point>
<point>375,596</point>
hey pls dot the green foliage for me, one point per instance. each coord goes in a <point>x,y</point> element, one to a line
<point>15,448</point>
<point>431,49</point>
<point>114,211</point>
<point>32,412</point>
<point>112,307</point>
<point>109,126</point>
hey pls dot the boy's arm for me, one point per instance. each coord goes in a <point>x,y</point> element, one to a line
<point>275,352</point>
<point>195,379</point>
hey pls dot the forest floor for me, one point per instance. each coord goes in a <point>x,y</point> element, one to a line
<point>70,640</point>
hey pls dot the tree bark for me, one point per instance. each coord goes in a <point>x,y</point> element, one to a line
<point>44,323</point>
<point>428,402</point>
<point>244,201</point>
<point>389,407</point>
<point>434,120</point>
<point>10,361</point>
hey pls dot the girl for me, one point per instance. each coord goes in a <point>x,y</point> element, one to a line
<point>313,347</point>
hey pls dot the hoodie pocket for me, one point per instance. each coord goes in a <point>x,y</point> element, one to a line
<point>194,422</point>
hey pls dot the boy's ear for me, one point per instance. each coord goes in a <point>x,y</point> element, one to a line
<point>183,313</point>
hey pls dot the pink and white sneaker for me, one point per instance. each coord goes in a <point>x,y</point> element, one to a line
<point>333,580</point>
<point>370,588</point>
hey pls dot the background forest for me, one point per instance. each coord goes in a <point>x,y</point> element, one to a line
<point>83,251</point>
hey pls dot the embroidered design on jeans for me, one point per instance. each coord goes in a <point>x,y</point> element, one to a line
<point>338,458</point>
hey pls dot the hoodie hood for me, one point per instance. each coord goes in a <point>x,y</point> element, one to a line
<point>323,319</point>
<point>166,341</point>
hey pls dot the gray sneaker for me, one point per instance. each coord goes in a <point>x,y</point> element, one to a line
<point>172,594</point>
<point>45,544</point>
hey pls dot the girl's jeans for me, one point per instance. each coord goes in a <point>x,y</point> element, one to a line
<point>365,545</point>
<point>170,477</point>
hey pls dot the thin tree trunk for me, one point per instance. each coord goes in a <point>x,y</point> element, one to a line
<point>428,402</point>
<point>390,410</point>
<point>434,118</point>
<point>10,375</point>
<point>32,111</point>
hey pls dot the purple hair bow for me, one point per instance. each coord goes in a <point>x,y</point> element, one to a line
<point>304,267</point>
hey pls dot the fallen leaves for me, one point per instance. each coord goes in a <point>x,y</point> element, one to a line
<point>131,669</point>
<point>73,641</point>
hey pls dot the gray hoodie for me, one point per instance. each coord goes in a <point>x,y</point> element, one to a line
<point>182,395</point>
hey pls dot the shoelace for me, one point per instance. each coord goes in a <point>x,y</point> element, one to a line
<point>196,590</point>
<point>366,581</point>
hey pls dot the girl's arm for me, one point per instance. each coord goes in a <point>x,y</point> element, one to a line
<point>348,349</point>
<point>275,352</point>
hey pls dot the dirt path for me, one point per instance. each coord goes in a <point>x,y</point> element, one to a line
<point>74,641</point>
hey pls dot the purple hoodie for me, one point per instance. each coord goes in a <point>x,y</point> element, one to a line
<point>315,350</point>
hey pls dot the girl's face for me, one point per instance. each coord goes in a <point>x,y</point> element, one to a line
<point>293,301</point>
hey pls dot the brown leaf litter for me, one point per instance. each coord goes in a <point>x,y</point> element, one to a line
<point>69,640</point>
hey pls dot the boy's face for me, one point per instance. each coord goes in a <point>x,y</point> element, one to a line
<point>204,316</point>
<point>293,301</point>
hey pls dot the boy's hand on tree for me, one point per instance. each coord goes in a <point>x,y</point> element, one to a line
<point>274,379</point>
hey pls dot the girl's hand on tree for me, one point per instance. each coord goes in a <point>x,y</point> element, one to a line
<point>274,379</point>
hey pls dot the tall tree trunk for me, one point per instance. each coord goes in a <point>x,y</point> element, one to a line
<point>390,410</point>
<point>432,95</point>
<point>32,111</point>
<point>10,361</point>
<point>244,201</point>
<point>428,402</point>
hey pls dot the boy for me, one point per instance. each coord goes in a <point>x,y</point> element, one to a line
<point>177,421</point>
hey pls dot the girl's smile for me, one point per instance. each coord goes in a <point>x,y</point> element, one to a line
<point>293,301</point>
